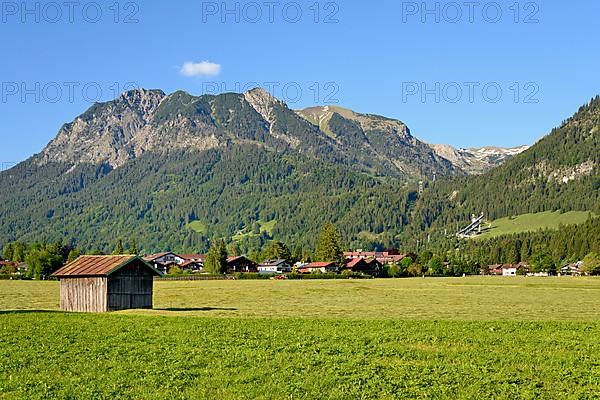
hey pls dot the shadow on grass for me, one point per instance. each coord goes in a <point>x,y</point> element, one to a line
<point>8,312</point>
<point>196,309</point>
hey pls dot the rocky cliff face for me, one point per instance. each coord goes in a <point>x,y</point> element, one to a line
<point>106,133</point>
<point>380,139</point>
<point>476,161</point>
<point>140,121</point>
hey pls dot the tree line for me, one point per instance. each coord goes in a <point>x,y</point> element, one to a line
<point>544,251</point>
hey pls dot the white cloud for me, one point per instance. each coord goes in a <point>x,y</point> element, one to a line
<point>204,68</point>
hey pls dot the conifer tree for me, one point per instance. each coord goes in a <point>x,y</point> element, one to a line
<point>329,247</point>
<point>216,259</point>
<point>133,247</point>
<point>119,248</point>
<point>276,251</point>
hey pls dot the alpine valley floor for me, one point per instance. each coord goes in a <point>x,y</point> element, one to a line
<point>474,337</point>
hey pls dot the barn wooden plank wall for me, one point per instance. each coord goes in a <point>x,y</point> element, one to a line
<point>106,283</point>
<point>84,294</point>
<point>130,287</point>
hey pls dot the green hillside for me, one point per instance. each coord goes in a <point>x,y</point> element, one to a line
<point>560,172</point>
<point>533,222</point>
<point>174,171</point>
<point>182,170</point>
<point>258,228</point>
<point>194,196</point>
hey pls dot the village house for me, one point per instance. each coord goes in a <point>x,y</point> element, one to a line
<point>387,257</point>
<point>8,267</point>
<point>240,264</point>
<point>190,266</point>
<point>298,265</point>
<point>192,262</point>
<point>572,269</point>
<point>274,267</point>
<point>318,267</point>
<point>106,283</point>
<point>510,270</point>
<point>167,260</point>
<point>494,269</point>
<point>164,261</point>
<point>363,266</point>
<point>193,257</point>
<point>506,269</point>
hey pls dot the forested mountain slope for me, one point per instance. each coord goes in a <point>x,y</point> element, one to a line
<point>560,172</point>
<point>174,170</point>
<point>154,197</point>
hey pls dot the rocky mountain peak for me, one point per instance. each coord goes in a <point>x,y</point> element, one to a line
<point>106,132</point>
<point>477,160</point>
<point>141,94</point>
<point>139,121</point>
<point>322,115</point>
<point>143,100</point>
<point>263,102</point>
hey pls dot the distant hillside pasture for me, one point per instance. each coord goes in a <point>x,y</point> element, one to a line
<point>197,226</point>
<point>266,227</point>
<point>533,222</point>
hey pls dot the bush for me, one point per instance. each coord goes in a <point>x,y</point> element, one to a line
<point>175,271</point>
<point>591,264</point>
<point>415,270</point>
<point>252,275</point>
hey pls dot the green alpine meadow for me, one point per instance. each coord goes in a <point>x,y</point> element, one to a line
<point>229,247</point>
<point>394,339</point>
<point>346,200</point>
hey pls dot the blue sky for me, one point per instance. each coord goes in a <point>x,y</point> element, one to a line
<point>438,68</point>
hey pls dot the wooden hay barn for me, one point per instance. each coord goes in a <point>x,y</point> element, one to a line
<point>106,283</point>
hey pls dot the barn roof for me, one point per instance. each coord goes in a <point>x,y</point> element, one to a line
<point>98,266</point>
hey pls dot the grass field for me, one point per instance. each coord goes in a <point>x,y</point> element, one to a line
<point>480,337</point>
<point>533,222</point>
<point>197,226</point>
<point>473,298</point>
<point>266,227</point>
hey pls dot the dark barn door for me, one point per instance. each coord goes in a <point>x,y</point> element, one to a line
<point>130,287</point>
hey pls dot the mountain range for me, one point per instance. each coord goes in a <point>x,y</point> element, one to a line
<point>144,121</point>
<point>476,161</point>
<point>470,161</point>
<point>175,170</point>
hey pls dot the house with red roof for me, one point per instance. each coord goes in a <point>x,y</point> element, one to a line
<point>391,256</point>
<point>363,266</point>
<point>326,267</point>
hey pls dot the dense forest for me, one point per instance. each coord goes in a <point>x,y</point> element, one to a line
<point>560,172</point>
<point>253,190</point>
<point>225,192</point>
